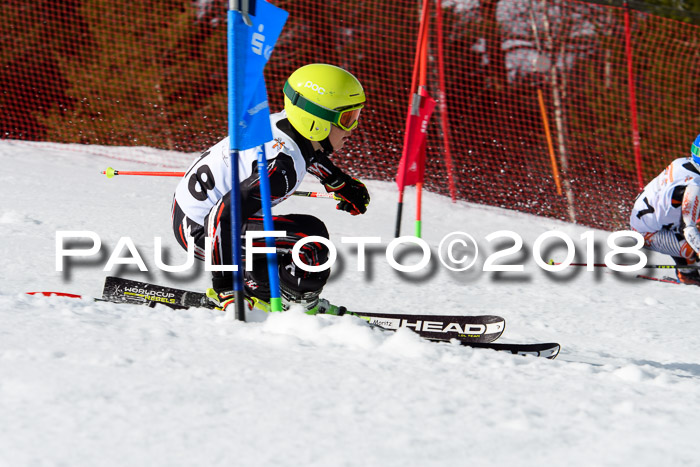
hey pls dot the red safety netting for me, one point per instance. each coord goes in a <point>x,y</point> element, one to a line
<point>153,73</point>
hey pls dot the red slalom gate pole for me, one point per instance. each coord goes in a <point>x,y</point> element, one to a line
<point>413,101</point>
<point>636,143</point>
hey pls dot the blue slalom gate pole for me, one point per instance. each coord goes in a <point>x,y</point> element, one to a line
<point>235,108</point>
<point>269,225</point>
<point>250,44</point>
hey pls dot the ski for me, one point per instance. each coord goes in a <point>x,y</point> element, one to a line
<point>480,329</point>
<point>119,290</point>
<point>547,350</point>
<point>669,280</point>
<point>471,331</point>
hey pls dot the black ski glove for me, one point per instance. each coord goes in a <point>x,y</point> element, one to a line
<point>354,197</point>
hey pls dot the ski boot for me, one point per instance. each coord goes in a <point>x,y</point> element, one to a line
<point>327,308</point>
<point>688,276</point>
<point>223,300</point>
<point>685,272</point>
<point>311,302</point>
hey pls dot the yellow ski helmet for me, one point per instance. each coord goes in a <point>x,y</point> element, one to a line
<point>317,96</point>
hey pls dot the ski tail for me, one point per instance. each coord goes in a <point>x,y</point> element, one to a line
<point>121,290</point>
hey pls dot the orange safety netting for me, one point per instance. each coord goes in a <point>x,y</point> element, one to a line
<point>153,73</point>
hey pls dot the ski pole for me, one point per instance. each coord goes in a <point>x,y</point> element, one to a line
<point>648,266</point>
<point>110,173</point>
<point>316,194</point>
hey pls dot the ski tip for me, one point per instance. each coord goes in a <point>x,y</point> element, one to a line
<point>553,352</point>
<point>548,350</point>
<point>668,280</point>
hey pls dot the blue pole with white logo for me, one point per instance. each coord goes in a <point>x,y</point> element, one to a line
<point>249,116</point>
<point>234,109</point>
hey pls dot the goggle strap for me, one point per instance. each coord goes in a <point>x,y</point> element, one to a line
<point>695,150</point>
<point>310,107</point>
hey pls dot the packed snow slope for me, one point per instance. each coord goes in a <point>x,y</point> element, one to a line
<point>99,384</point>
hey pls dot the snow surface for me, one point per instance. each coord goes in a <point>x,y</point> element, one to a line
<point>86,383</point>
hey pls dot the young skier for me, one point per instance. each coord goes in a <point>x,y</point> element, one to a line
<point>322,104</point>
<point>667,213</point>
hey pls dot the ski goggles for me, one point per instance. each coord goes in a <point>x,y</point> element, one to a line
<point>695,149</point>
<point>344,118</point>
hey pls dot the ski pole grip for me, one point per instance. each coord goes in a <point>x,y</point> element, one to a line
<point>110,172</point>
